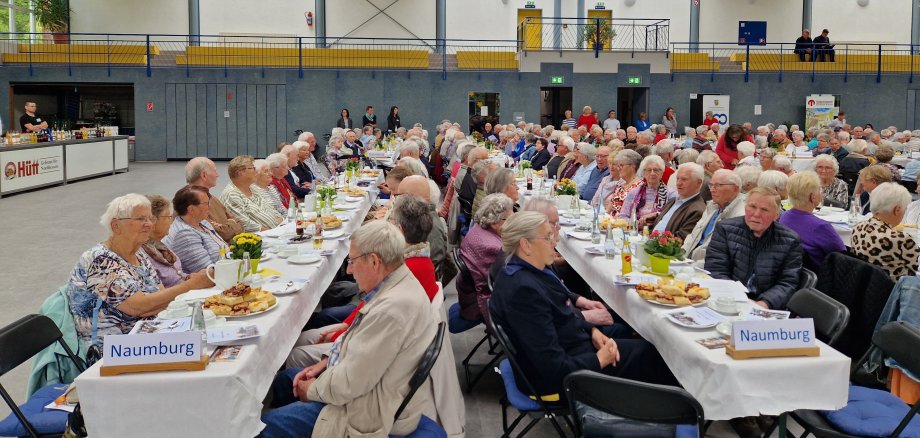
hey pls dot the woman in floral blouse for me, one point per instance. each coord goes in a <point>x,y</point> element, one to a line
<point>876,239</point>
<point>115,280</point>
<point>627,164</point>
<point>835,190</point>
<point>648,199</point>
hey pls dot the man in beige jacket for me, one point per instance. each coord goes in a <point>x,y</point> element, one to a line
<point>357,388</point>
<point>727,202</point>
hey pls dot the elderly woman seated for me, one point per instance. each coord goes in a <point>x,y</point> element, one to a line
<point>502,181</point>
<point>254,212</point>
<point>818,236</point>
<point>263,186</point>
<point>878,241</point>
<point>279,188</point>
<point>536,312</point>
<point>869,179</point>
<point>191,236</point>
<point>114,285</point>
<point>479,249</point>
<point>167,265</point>
<point>767,159</point>
<point>411,215</point>
<point>775,180</point>
<point>626,165</point>
<point>854,161</point>
<point>835,191</point>
<point>884,154</point>
<point>749,176</point>
<point>647,200</point>
<point>746,151</point>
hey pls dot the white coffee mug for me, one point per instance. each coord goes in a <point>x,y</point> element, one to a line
<point>226,272</point>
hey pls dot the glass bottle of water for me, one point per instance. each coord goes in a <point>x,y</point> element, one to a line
<point>247,265</point>
<point>198,320</point>
<point>610,244</point>
<point>595,230</point>
<point>855,212</point>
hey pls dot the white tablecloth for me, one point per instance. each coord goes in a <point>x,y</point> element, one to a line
<point>224,400</point>
<point>726,388</point>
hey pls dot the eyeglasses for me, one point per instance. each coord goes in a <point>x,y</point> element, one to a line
<point>652,170</point>
<point>551,238</point>
<point>717,185</point>
<point>350,260</point>
<point>150,219</point>
<point>168,216</point>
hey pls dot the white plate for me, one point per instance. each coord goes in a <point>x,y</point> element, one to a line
<point>251,314</point>
<point>304,259</point>
<point>334,234</point>
<point>345,206</point>
<point>724,328</point>
<point>265,256</point>
<point>277,287</point>
<point>697,318</point>
<point>353,199</point>
<point>715,306</point>
<point>830,209</point>
<point>566,222</point>
<point>675,305</point>
<point>580,235</point>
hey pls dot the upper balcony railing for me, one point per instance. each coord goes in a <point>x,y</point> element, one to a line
<point>781,58</point>
<point>596,34</point>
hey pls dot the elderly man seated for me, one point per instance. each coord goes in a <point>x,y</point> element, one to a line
<point>727,202</point>
<point>681,213</point>
<point>710,162</point>
<point>356,389</point>
<point>601,155</point>
<point>201,171</point>
<point>763,255</point>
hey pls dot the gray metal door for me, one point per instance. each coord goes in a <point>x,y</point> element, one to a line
<point>224,120</point>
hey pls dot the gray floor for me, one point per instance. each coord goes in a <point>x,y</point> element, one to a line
<point>44,232</point>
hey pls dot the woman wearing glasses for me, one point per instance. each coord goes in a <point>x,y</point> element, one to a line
<point>255,212</point>
<point>535,309</point>
<point>191,237</point>
<point>164,261</point>
<point>114,282</point>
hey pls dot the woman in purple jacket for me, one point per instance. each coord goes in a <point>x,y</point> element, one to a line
<point>167,265</point>
<point>818,236</point>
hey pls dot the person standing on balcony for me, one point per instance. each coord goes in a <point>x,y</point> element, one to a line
<point>369,117</point>
<point>823,47</point>
<point>611,123</point>
<point>393,123</point>
<point>804,45</point>
<point>587,118</point>
<point>669,120</point>
<point>344,121</point>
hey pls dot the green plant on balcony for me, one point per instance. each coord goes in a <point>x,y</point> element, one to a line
<point>54,16</point>
<point>598,32</point>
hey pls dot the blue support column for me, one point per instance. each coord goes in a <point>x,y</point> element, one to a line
<point>321,23</point>
<point>557,24</point>
<point>580,14</point>
<point>194,23</point>
<point>694,25</point>
<point>440,21</point>
<point>915,27</point>
<point>806,15</point>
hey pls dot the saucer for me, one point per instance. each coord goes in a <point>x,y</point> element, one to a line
<point>724,310</point>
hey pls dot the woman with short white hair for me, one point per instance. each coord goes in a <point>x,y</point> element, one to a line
<point>878,242</point>
<point>835,190</point>
<point>775,180</point>
<point>767,159</point>
<point>478,250</point>
<point>647,200</point>
<point>749,176</point>
<point>818,236</point>
<point>263,186</point>
<point>114,285</point>
<point>746,151</point>
<point>783,164</point>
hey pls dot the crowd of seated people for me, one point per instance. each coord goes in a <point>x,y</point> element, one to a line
<point>722,191</point>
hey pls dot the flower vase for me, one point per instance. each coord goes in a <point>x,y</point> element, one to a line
<point>660,265</point>
<point>254,265</point>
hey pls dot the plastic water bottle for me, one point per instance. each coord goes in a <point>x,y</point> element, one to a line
<point>198,320</point>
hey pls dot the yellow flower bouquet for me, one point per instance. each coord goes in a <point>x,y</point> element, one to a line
<point>246,242</point>
<point>566,186</point>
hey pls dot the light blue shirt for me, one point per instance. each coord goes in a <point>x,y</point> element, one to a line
<point>663,223</point>
<point>911,169</point>
<point>583,174</point>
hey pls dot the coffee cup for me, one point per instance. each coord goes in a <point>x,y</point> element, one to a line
<point>726,304</point>
<point>226,272</point>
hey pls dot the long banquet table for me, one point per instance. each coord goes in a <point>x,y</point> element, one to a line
<point>726,388</point>
<point>225,399</point>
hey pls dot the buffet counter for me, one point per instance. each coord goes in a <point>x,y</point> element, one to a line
<point>29,166</point>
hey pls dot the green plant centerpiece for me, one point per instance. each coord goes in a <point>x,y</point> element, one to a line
<point>54,17</point>
<point>661,249</point>
<point>566,186</point>
<point>525,164</point>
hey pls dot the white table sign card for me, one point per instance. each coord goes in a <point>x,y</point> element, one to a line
<point>773,337</point>
<point>156,348</point>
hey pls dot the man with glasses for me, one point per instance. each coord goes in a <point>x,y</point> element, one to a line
<point>727,202</point>
<point>201,171</point>
<point>356,386</point>
<point>597,174</point>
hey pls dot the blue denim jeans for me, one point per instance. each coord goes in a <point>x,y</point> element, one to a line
<point>290,417</point>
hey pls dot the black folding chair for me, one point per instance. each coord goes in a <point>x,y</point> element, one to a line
<point>807,278</point>
<point>526,394</point>
<point>897,340</point>
<point>637,402</point>
<point>831,316</point>
<point>19,342</point>
<point>426,427</point>
<point>470,378</point>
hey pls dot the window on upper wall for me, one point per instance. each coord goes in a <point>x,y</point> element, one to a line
<point>18,16</point>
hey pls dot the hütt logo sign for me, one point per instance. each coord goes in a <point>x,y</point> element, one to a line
<point>25,168</point>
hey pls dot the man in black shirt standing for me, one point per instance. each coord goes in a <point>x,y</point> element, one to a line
<point>29,122</point>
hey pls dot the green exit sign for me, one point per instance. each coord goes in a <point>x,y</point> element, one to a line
<point>530,5</point>
<point>556,80</point>
<point>634,80</point>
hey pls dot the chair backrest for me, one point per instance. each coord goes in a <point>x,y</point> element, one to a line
<point>424,367</point>
<point>25,338</point>
<point>807,278</point>
<point>632,400</point>
<point>461,266</point>
<point>900,341</point>
<point>831,316</point>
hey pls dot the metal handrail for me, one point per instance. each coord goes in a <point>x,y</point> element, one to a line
<point>597,34</point>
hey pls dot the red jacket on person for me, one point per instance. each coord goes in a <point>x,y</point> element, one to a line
<point>588,120</point>
<point>727,154</point>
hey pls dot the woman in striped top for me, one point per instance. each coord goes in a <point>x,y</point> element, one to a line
<point>263,186</point>
<point>254,212</point>
<point>569,120</point>
<point>191,237</point>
